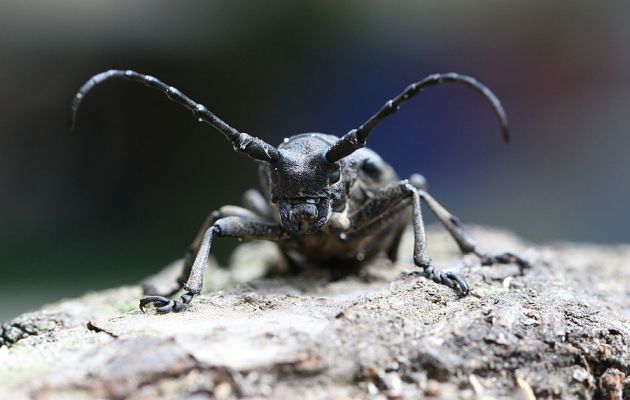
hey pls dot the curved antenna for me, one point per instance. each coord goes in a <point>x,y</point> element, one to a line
<point>252,146</point>
<point>356,138</point>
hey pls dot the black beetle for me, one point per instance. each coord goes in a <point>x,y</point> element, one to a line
<point>325,200</point>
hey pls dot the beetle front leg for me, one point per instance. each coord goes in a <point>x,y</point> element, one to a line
<point>234,227</point>
<point>465,242</point>
<point>421,254</point>
<point>189,258</point>
<point>388,204</point>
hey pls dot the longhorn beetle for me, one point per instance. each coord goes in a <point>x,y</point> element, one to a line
<point>325,200</point>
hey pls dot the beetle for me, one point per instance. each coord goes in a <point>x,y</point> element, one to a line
<point>325,200</point>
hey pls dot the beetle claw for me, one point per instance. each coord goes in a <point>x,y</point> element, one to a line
<point>463,285</point>
<point>505,258</point>
<point>163,305</point>
<point>168,307</point>
<point>159,301</point>
<point>449,279</point>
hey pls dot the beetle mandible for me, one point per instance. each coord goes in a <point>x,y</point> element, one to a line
<point>325,200</point>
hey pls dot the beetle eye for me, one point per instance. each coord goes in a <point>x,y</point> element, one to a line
<point>334,176</point>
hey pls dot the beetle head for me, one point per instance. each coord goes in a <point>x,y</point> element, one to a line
<point>305,186</point>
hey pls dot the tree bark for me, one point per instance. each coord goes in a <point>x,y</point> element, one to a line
<point>560,331</point>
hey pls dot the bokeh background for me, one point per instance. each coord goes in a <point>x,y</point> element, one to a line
<point>125,193</point>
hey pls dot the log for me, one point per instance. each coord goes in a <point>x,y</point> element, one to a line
<point>560,331</point>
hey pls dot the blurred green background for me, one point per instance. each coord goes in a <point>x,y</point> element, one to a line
<point>125,193</point>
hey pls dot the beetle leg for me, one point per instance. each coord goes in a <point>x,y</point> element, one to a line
<point>421,254</point>
<point>450,222</point>
<point>388,204</point>
<point>164,305</point>
<point>504,258</point>
<point>191,253</point>
<point>419,182</point>
<point>239,227</point>
<point>464,241</point>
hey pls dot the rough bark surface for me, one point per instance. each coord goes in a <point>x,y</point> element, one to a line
<point>560,331</point>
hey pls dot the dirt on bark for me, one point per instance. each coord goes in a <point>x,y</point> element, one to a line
<point>560,331</point>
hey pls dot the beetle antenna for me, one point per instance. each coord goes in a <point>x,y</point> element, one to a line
<point>356,138</point>
<point>252,146</point>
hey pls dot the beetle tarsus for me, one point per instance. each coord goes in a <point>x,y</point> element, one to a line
<point>505,258</point>
<point>449,279</point>
<point>163,305</point>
